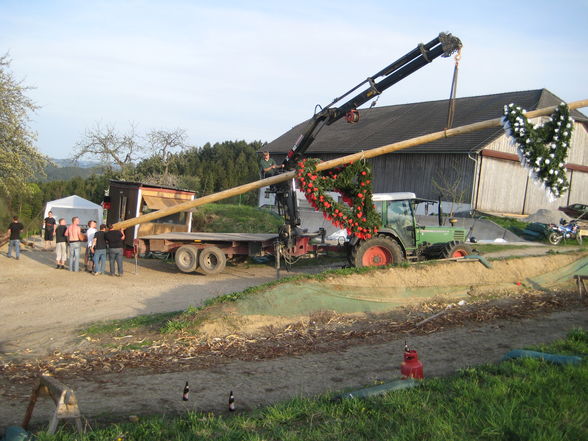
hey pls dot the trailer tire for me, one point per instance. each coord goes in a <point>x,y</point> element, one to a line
<point>212,260</point>
<point>378,251</point>
<point>187,258</point>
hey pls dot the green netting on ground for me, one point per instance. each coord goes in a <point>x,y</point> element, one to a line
<point>302,298</point>
<point>562,275</point>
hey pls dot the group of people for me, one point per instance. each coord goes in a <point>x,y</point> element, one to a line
<point>99,243</point>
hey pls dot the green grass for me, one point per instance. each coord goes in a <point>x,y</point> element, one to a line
<point>490,248</point>
<point>510,223</point>
<point>514,400</point>
<point>116,327</point>
<point>226,218</point>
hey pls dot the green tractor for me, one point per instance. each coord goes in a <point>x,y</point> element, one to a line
<point>400,237</point>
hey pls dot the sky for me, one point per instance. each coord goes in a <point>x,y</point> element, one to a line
<point>232,70</point>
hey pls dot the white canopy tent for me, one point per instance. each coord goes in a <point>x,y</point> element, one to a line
<point>75,206</point>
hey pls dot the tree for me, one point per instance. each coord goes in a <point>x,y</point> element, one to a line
<point>162,144</point>
<point>449,181</point>
<point>111,147</point>
<point>19,159</point>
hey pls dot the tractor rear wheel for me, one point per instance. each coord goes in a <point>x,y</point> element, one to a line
<point>212,260</point>
<point>456,249</point>
<point>378,251</point>
<point>187,258</point>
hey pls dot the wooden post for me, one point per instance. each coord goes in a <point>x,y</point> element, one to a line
<point>66,404</point>
<point>581,286</point>
<point>277,246</point>
<point>497,122</point>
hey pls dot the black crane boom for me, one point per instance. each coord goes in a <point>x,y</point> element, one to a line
<point>444,44</point>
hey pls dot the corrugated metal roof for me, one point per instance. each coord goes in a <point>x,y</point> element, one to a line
<point>385,125</point>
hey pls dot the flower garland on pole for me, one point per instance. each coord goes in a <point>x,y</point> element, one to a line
<point>542,149</point>
<point>357,214</point>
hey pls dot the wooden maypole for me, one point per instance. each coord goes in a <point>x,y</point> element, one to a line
<point>372,153</point>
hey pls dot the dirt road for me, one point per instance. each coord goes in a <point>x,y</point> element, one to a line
<point>41,307</point>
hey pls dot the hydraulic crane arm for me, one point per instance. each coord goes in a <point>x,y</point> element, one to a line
<point>444,45</point>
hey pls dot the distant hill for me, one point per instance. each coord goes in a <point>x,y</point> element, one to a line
<point>66,170</point>
<point>71,163</point>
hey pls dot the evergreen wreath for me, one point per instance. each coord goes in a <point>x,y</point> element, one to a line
<point>357,214</point>
<point>542,149</point>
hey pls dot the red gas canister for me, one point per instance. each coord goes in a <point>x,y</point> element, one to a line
<point>411,367</point>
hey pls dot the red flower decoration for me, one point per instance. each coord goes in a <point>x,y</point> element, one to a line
<point>356,213</point>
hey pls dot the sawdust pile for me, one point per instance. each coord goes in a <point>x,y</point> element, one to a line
<point>458,273</point>
<point>226,319</point>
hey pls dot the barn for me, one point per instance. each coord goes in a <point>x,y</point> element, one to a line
<point>479,170</point>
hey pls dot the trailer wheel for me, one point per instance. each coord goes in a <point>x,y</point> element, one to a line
<point>378,251</point>
<point>456,249</point>
<point>212,260</point>
<point>187,258</point>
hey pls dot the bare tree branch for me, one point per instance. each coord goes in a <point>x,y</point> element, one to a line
<point>110,147</point>
<point>163,143</point>
<point>450,183</point>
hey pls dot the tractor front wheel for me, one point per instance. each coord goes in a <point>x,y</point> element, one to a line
<point>456,249</point>
<point>378,251</point>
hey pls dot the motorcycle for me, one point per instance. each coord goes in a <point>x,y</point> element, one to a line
<point>563,231</point>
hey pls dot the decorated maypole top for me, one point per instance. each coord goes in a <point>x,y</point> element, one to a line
<point>542,148</point>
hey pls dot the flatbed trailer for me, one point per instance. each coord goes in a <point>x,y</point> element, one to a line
<point>209,252</point>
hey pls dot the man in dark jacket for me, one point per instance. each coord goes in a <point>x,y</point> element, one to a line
<point>114,240</point>
<point>99,250</point>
